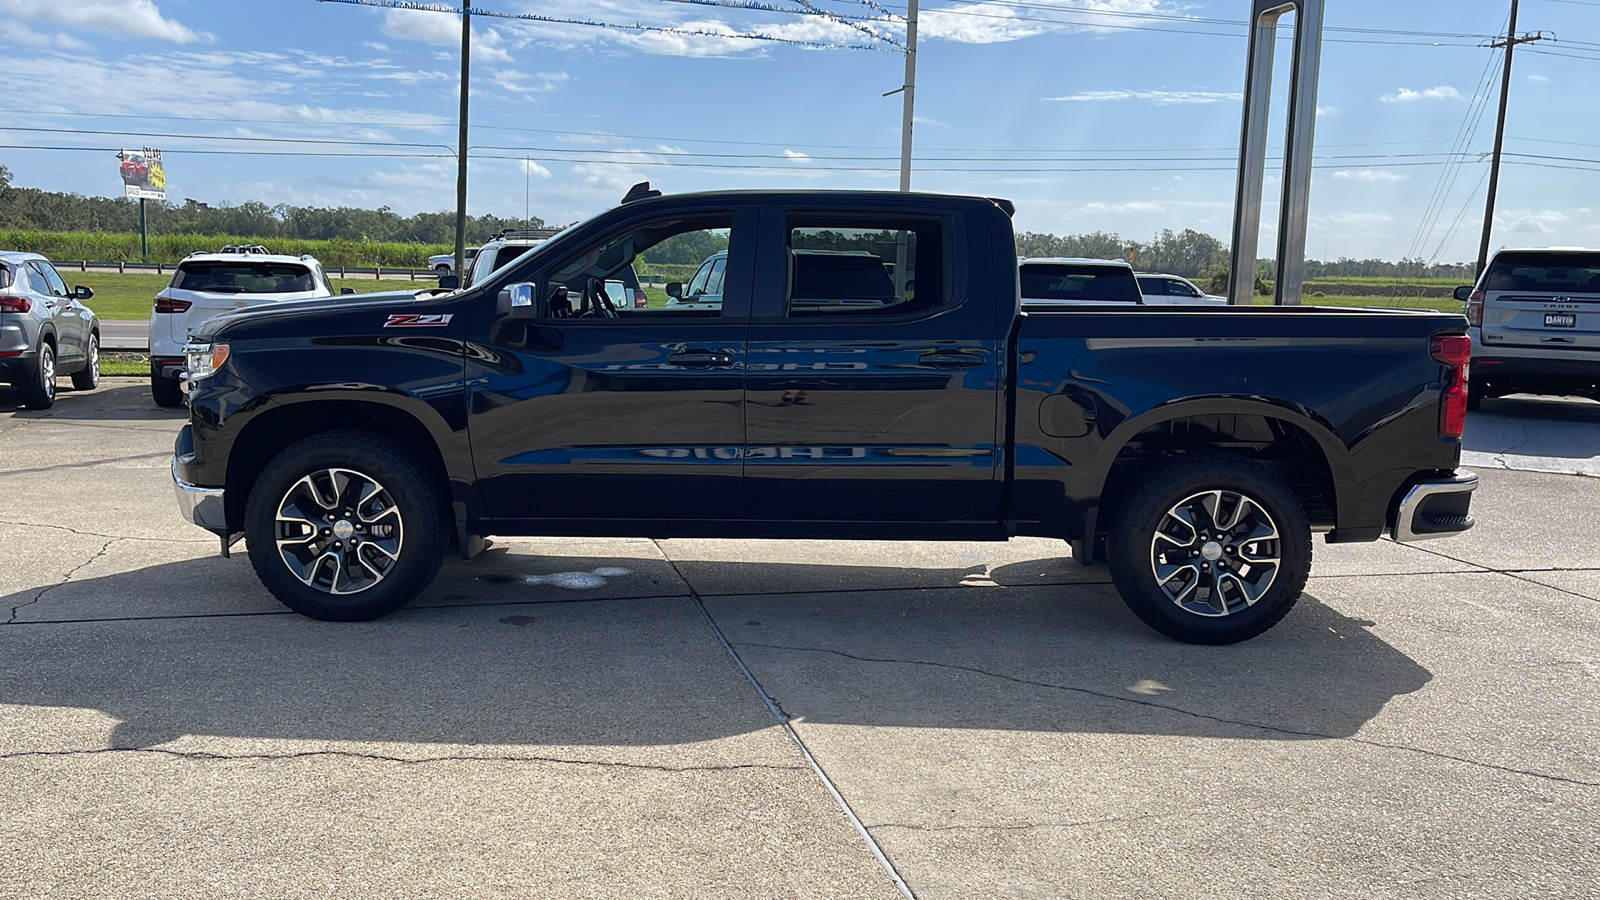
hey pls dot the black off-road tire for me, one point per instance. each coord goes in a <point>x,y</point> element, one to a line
<point>1135,555</point>
<point>88,377</point>
<point>165,391</point>
<point>405,486</point>
<point>40,393</point>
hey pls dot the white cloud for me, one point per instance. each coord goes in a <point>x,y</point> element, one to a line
<point>1529,222</point>
<point>1136,206</point>
<point>1539,79</point>
<point>796,155</point>
<point>1369,176</point>
<point>931,123</point>
<point>528,84</point>
<point>374,45</point>
<point>1357,218</point>
<point>1160,98</point>
<point>124,18</point>
<point>1327,111</point>
<point>529,167</point>
<point>488,44</point>
<point>1407,95</point>
<point>17,34</point>
<point>992,23</point>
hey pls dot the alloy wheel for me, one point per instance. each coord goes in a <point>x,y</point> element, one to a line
<point>1215,553</point>
<point>339,531</point>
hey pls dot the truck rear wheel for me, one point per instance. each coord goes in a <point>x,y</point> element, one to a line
<point>1210,550</point>
<point>165,391</point>
<point>344,527</point>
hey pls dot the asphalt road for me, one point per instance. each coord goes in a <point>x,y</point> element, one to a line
<point>569,717</point>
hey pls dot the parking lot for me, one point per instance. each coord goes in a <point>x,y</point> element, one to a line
<point>637,718</point>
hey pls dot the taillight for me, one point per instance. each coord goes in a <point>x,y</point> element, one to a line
<point>1475,309</point>
<point>1455,351</point>
<point>168,305</point>
<point>639,299</point>
<point>15,304</point>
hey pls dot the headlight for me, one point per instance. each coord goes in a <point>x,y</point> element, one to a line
<point>203,360</point>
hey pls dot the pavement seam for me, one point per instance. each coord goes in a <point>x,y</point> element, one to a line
<point>1514,573</point>
<point>1184,712</point>
<point>17,610</point>
<point>121,537</point>
<point>783,721</point>
<point>204,755</point>
<point>1027,826</point>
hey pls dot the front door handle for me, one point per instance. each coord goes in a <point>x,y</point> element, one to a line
<point>946,359</point>
<point>706,358</point>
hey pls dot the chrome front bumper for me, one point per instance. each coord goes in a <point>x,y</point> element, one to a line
<point>1434,508</point>
<point>201,505</point>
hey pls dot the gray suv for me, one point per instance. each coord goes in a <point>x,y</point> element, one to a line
<point>45,330</point>
<point>1535,324</point>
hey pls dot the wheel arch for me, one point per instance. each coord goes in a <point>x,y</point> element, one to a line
<point>283,424</point>
<point>1298,447</point>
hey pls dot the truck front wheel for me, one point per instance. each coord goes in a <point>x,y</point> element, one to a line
<point>1210,550</point>
<point>344,527</point>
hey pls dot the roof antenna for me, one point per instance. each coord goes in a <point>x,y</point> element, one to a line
<point>640,191</point>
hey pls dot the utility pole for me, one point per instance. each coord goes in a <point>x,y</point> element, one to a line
<point>461,151</point>
<point>1510,43</point>
<point>910,99</point>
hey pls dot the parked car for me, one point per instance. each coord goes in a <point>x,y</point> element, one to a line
<point>444,263</point>
<point>1048,282</point>
<point>1194,450</point>
<point>45,330</point>
<point>1175,290</point>
<point>508,245</point>
<point>1535,319</point>
<point>205,284</point>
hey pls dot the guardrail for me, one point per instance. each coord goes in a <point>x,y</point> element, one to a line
<point>347,272</point>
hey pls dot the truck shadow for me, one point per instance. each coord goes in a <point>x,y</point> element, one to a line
<point>1535,426</point>
<point>118,398</point>
<point>591,666</point>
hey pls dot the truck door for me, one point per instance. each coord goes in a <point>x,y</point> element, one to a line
<point>598,410</point>
<point>873,387</point>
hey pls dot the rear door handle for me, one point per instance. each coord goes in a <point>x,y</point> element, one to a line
<point>706,358</point>
<point>945,359</point>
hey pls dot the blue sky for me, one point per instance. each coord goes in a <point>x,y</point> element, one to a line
<point>1015,98</point>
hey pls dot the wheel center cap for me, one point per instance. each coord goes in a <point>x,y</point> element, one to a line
<point>342,530</point>
<point>1212,551</point>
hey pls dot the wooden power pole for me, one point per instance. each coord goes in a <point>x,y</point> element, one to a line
<point>1510,43</point>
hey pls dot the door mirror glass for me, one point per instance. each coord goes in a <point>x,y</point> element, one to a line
<point>1464,293</point>
<point>675,290</point>
<point>449,282</point>
<point>516,301</point>
<point>343,291</point>
<point>80,292</point>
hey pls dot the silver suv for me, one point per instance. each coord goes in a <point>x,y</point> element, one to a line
<point>1535,324</point>
<point>45,330</point>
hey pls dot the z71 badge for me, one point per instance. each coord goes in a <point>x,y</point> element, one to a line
<point>413,320</point>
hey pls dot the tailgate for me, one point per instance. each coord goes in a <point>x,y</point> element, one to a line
<point>1555,322</point>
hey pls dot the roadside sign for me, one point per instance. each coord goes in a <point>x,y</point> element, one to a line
<point>143,176</point>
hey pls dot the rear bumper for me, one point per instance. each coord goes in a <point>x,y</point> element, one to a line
<point>19,369</point>
<point>1505,374</point>
<point>1433,507</point>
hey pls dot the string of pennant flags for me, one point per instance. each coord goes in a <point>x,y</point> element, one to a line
<point>882,42</point>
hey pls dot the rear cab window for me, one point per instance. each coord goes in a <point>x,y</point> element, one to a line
<point>243,277</point>
<point>1081,283</point>
<point>886,266</point>
<point>1544,272</point>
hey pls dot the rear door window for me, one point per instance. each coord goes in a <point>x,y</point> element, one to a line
<point>1577,273</point>
<point>243,278</point>
<point>890,268</point>
<point>1085,284</point>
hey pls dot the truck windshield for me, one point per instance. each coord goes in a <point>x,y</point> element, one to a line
<point>1576,272</point>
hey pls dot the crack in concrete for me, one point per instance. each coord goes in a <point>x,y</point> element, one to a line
<point>1513,573</point>
<point>120,537</point>
<point>17,610</point>
<point>209,756</point>
<point>1184,712</point>
<point>1024,826</point>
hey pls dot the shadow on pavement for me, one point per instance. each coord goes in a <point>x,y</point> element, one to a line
<point>117,399</point>
<point>1535,426</point>
<point>647,670</point>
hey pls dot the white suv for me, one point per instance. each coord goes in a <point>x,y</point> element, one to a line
<point>1535,324</point>
<point>206,284</point>
<point>501,249</point>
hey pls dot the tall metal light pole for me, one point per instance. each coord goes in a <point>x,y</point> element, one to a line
<point>461,150</point>
<point>1510,44</point>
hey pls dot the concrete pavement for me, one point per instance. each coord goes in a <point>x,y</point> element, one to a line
<point>561,717</point>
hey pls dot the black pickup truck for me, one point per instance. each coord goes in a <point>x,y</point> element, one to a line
<point>865,371</point>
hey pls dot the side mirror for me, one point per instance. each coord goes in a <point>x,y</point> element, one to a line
<point>675,290</point>
<point>82,293</point>
<point>449,282</point>
<point>516,301</point>
<point>343,291</point>
<point>1464,293</point>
